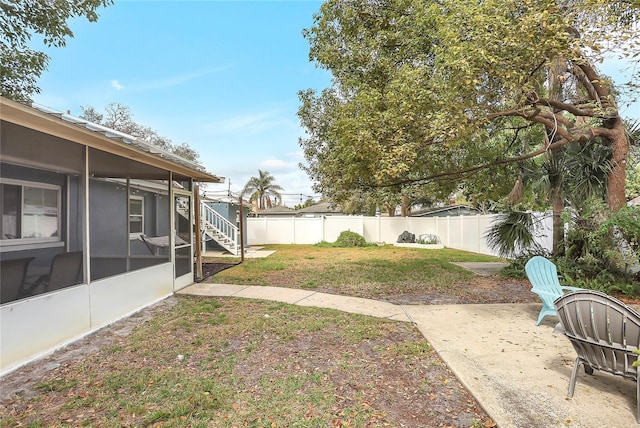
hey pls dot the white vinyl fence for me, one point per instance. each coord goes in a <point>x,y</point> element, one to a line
<point>458,232</point>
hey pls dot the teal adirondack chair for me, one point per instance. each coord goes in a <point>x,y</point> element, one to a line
<point>543,276</point>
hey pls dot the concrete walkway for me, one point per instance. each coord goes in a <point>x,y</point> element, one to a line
<point>518,372</point>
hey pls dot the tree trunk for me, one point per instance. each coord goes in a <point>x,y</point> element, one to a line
<point>557,69</point>
<point>616,135</point>
<point>619,142</point>
<point>558,224</point>
<point>406,206</point>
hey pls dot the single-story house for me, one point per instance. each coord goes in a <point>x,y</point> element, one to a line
<point>320,209</point>
<point>317,210</point>
<point>96,224</point>
<point>277,211</point>
<point>447,210</point>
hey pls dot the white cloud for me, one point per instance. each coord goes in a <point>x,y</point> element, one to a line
<point>245,125</point>
<point>297,187</point>
<point>115,84</point>
<point>176,80</point>
<point>298,155</point>
<point>278,165</point>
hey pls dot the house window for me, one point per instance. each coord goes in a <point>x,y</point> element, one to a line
<point>136,216</point>
<point>30,211</point>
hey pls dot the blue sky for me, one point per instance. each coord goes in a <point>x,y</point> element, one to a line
<point>221,76</point>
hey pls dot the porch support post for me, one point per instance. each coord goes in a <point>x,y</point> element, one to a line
<point>86,232</point>
<point>241,215</point>
<point>172,227</point>
<point>196,222</point>
<point>128,210</point>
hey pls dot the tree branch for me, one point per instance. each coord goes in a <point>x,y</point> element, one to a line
<point>586,84</point>
<point>593,78</point>
<point>570,108</point>
<point>469,171</point>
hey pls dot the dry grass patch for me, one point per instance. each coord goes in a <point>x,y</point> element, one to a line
<point>205,362</point>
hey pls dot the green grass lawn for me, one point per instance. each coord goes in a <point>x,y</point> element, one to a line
<point>225,362</point>
<point>371,272</point>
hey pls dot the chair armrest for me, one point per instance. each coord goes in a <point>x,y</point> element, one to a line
<point>567,288</point>
<point>542,293</point>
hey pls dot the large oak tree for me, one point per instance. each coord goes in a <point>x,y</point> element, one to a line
<point>427,91</point>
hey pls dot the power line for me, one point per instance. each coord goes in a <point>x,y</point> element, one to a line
<point>300,194</point>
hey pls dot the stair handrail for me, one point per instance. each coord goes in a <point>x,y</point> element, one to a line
<point>218,222</point>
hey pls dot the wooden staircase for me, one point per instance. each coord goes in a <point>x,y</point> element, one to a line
<point>216,227</point>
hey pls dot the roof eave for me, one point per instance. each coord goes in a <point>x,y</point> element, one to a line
<point>51,124</point>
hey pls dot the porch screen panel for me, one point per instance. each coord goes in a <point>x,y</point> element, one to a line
<point>183,220</point>
<point>11,211</point>
<point>41,234</point>
<point>184,233</point>
<point>183,261</point>
<point>129,215</point>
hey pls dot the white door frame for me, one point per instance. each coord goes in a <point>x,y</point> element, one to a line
<point>185,279</point>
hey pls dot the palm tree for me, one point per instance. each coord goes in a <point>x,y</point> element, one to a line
<point>570,177</point>
<point>261,189</point>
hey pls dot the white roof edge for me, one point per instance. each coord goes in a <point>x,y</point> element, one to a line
<point>122,136</point>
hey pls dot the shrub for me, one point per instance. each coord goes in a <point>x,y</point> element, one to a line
<point>600,248</point>
<point>428,239</point>
<point>348,238</point>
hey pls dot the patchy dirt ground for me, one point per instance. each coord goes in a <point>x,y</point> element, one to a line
<point>390,385</point>
<point>480,289</point>
<point>210,269</point>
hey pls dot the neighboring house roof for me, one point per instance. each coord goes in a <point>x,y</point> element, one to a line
<point>634,201</point>
<point>278,210</point>
<point>101,138</point>
<point>445,210</point>
<point>320,208</point>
